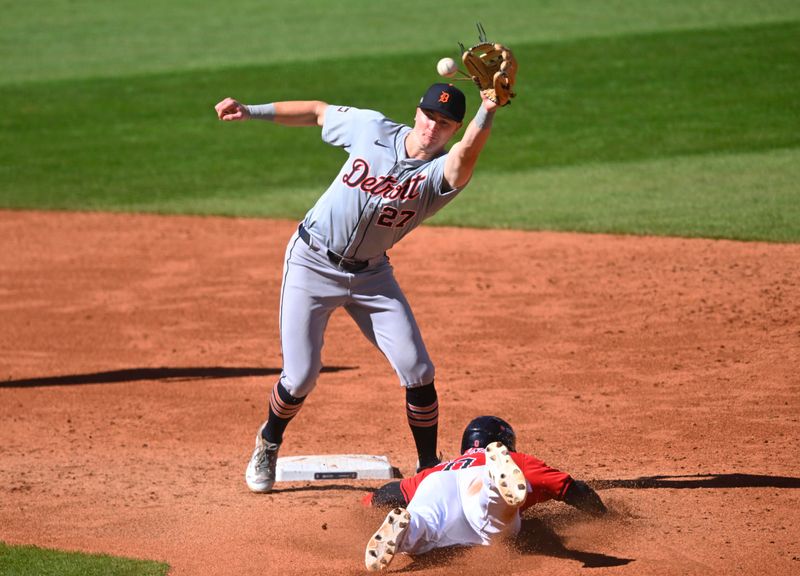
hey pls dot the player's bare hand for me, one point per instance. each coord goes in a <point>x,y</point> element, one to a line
<point>230,109</point>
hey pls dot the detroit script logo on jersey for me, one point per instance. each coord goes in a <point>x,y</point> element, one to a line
<point>388,187</point>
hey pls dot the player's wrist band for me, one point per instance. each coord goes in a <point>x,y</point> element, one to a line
<point>262,111</point>
<point>483,119</point>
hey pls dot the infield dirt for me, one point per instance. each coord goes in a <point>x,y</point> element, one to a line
<point>138,351</point>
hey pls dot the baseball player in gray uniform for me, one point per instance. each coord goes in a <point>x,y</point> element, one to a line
<point>395,176</point>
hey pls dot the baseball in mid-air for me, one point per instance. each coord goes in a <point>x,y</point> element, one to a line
<point>447,67</point>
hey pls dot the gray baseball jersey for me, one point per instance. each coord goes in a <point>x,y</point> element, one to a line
<point>380,194</point>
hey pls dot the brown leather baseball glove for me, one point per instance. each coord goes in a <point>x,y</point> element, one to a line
<point>493,68</point>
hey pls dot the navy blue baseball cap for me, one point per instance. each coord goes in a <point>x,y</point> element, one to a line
<point>445,98</point>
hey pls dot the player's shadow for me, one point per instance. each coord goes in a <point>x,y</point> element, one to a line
<point>143,374</point>
<point>693,481</point>
<point>537,537</point>
<point>322,488</point>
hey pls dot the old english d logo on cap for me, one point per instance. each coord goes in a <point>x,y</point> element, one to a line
<point>445,99</point>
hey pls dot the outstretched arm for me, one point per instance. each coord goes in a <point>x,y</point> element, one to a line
<point>292,113</point>
<point>580,495</point>
<point>463,156</point>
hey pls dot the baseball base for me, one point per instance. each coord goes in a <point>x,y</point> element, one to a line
<point>335,467</point>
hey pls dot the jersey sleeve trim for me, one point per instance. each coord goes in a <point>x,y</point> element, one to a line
<point>564,489</point>
<point>404,492</point>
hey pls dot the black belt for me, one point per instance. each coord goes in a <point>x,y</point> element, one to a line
<point>343,263</point>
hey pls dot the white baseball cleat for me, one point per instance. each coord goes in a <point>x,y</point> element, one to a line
<point>382,547</point>
<point>506,476</point>
<point>260,474</point>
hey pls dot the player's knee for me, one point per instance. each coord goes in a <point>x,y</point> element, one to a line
<point>300,383</point>
<point>417,374</point>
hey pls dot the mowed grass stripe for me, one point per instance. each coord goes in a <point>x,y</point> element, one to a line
<point>91,38</point>
<point>31,560</point>
<point>747,196</point>
<point>663,95</point>
<point>112,143</point>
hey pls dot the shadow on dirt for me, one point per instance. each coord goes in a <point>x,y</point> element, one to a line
<point>537,537</point>
<point>163,373</point>
<point>701,481</point>
<point>323,488</point>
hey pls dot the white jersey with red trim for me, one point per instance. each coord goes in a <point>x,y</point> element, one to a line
<point>544,482</point>
<point>457,504</point>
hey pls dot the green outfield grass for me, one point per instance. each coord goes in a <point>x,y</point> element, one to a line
<point>587,108</point>
<point>30,560</point>
<point>748,196</point>
<point>57,39</point>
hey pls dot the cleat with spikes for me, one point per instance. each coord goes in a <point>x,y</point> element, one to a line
<point>260,474</point>
<point>382,547</point>
<point>506,476</point>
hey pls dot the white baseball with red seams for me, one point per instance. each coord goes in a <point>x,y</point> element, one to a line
<point>447,67</point>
